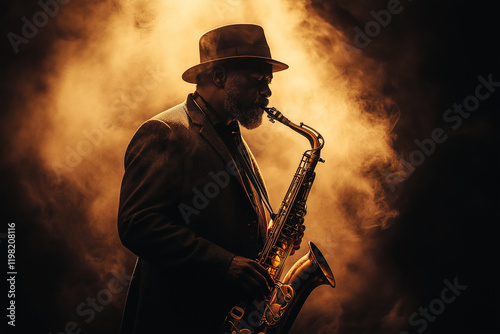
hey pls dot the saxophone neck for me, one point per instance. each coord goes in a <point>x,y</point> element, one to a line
<point>315,138</point>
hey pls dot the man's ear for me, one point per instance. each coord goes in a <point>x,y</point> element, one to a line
<point>219,76</point>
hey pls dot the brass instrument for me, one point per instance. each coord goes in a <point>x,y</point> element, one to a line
<point>276,314</point>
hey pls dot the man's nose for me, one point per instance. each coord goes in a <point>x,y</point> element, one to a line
<point>266,91</point>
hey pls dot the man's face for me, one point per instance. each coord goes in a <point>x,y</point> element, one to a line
<point>247,94</point>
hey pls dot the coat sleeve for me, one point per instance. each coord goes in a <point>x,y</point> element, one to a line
<point>150,194</point>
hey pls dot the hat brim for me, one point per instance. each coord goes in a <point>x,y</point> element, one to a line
<point>190,74</point>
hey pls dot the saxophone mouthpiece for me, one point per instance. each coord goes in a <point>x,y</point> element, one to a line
<point>275,114</point>
<point>270,114</point>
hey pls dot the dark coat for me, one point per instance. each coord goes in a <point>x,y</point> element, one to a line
<point>185,213</point>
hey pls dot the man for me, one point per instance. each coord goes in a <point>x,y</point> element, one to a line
<point>192,199</point>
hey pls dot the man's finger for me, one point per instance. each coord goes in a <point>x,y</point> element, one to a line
<point>257,288</point>
<point>262,272</point>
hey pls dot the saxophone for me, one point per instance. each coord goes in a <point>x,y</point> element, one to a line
<point>276,314</point>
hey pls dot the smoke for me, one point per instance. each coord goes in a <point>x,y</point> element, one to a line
<point>338,92</point>
<point>80,86</point>
<point>117,64</point>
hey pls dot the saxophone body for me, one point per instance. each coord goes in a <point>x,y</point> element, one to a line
<point>276,314</point>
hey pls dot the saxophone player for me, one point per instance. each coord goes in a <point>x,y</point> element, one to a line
<point>193,206</point>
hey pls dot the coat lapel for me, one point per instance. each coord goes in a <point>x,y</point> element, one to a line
<point>208,132</point>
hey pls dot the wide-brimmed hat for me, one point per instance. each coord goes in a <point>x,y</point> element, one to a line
<point>234,41</point>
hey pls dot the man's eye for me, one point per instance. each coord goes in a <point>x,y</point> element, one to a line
<point>262,78</point>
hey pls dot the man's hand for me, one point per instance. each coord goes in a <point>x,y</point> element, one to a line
<point>249,277</point>
<point>298,241</point>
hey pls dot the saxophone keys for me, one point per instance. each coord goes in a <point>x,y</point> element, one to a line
<point>242,331</point>
<point>272,314</point>
<point>286,294</point>
<point>237,312</point>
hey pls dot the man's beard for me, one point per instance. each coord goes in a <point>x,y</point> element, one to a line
<point>249,115</point>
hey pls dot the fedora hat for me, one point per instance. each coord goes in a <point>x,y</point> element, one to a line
<point>234,41</point>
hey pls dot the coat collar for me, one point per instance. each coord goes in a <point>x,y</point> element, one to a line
<point>195,111</point>
<point>195,114</point>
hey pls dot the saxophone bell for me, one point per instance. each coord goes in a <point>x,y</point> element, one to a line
<point>309,272</point>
